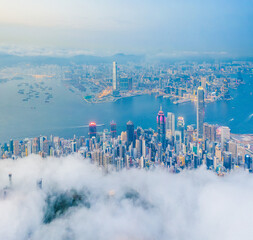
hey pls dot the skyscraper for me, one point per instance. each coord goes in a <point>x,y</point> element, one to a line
<point>170,124</point>
<point>130,132</point>
<point>209,132</point>
<point>113,129</point>
<point>225,135</point>
<point>180,127</point>
<point>92,129</point>
<point>227,160</point>
<point>114,76</point>
<point>200,112</point>
<point>161,120</point>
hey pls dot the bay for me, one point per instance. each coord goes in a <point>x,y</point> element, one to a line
<point>67,113</point>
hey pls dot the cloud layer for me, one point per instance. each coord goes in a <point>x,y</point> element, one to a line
<point>133,204</point>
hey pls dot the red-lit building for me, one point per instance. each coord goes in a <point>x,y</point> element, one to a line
<point>92,129</point>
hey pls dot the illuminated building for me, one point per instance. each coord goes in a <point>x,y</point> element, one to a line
<point>114,76</point>
<point>130,132</point>
<point>92,129</point>
<point>170,124</point>
<point>161,121</point>
<point>225,135</point>
<point>248,161</point>
<point>113,129</point>
<point>200,112</point>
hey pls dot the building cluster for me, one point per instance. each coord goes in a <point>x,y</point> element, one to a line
<point>173,146</point>
<point>106,82</point>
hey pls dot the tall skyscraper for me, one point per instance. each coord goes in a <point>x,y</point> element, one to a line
<point>200,112</point>
<point>180,127</point>
<point>114,76</point>
<point>92,129</point>
<point>161,121</point>
<point>130,132</point>
<point>113,129</point>
<point>170,124</point>
<point>225,135</point>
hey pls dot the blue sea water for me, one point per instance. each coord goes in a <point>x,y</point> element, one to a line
<point>67,113</point>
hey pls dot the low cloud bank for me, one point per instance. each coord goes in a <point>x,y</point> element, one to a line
<point>78,201</point>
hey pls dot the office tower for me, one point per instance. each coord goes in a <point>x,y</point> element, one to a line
<point>200,112</point>
<point>113,129</point>
<point>170,124</point>
<point>203,82</point>
<point>16,148</point>
<point>138,148</point>
<point>123,136</point>
<point>73,146</point>
<point>232,147</point>
<point>180,127</point>
<point>35,147</point>
<point>130,132</point>
<point>248,161</point>
<point>130,84</point>
<point>225,135</point>
<point>92,129</point>
<point>227,160</point>
<point>114,76</point>
<point>161,121</point>
<point>125,84</point>
<point>143,147</point>
<point>28,147</point>
<point>11,146</point>
<point>46,146</point>
<point>209,132</point>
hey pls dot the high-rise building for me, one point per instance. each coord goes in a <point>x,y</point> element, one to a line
<point>16,148</point>
<point>113,129</point>
<point>248,161</point>
<point>114,76</point>
<point>130,132</point>
<point>227,160</point>
<point>11,146</point>
<point>180,127</point>
<point>203,82</point>
<point>200,112</point>
<point>125,84</point>
<point>161,121</point>
<point>209,132</point>
<point>170,124</point>
<point>92,129</point>
<point>225,135</point>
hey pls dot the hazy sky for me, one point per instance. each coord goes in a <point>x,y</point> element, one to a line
<point>132,26</point>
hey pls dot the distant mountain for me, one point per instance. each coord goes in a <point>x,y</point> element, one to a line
<point>8,59</point>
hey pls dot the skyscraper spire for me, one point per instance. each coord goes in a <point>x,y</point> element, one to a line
<point>161,120</point>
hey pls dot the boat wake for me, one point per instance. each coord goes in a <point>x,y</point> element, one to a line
<point>249,117</point>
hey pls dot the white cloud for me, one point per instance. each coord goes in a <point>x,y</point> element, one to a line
<point>134,204</point>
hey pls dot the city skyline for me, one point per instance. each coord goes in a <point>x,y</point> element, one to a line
<point>126,120</point>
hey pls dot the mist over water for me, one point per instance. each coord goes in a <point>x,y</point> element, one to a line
<point>78,201</point>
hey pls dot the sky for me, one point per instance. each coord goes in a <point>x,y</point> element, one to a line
<point>131,204</point>
<point>162,27</point>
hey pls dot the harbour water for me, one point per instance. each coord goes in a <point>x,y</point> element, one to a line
<point>67,113</point>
